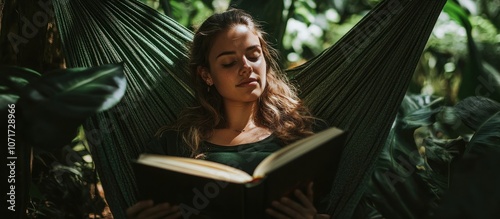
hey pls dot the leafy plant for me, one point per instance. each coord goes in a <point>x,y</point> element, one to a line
<point>52,106</point>
<point>65,185</point>
<point>423,153</point>
<point>47,110</point>
<point>475,75</point>
<point>473,192</point>
<point>460,60</point>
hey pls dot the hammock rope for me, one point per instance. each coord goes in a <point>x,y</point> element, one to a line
<point>356,84</point>
<point>369,70</point>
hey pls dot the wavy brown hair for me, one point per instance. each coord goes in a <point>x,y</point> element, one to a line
<point>279,108</point>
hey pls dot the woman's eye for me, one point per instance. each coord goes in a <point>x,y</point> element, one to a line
<point>254,58</point>
<point>226,65</point>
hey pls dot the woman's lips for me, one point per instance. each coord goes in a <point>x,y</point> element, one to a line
<point>248,82</point>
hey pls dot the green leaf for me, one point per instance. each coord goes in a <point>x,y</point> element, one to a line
<point>421,117</point>
<point>474,189</point>
<point>14,77</point>
<point>476,79</point>
<point>12,80</point>
<point>209,4</point>
<point>417,111</point>
<point>80,91</point>
<point>457,14</point>
<point>475,111</point>
<point>409,177</point>
<point>53,107</point>
<point>487,137</point>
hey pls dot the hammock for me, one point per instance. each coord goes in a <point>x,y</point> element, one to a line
<point>357,84</point>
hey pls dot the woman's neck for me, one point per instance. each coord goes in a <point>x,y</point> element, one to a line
<point>241,127</point>
<point>240,115</point>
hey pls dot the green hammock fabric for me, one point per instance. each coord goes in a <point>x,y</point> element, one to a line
<point>357,84</point>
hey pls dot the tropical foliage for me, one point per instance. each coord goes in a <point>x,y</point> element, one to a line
<point>437,126</point>
<point>428,147</point>
<point>49,108</point>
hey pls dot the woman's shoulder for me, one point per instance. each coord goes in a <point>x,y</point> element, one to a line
<point>168,142</point>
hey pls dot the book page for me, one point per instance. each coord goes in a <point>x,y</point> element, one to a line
<point>294,150</point>
<point>202,168</point>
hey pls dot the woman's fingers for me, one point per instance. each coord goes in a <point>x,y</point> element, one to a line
<point>134,210</point>
<point>305,200</point>
<point>303,207</point>
<point>310,192</point>
<point>276,214</point>
<point>288,207</point>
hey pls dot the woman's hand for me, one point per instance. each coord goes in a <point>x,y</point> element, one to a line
<point>287,208</point>
<point>147,209</point>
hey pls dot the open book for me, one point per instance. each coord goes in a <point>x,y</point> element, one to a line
<point>206,189</point>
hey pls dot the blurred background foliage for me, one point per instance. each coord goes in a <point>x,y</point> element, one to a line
<point>462,59</point>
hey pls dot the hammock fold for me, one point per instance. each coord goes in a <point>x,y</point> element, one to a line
<point>356,84</point>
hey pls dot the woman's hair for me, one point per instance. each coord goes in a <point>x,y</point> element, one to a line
<point>279,107</point>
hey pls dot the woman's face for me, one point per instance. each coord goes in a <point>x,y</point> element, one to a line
<point>237,65</point>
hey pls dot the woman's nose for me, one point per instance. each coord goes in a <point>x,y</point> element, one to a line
<point>246,67</point>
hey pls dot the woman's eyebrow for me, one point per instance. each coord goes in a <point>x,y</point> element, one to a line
<point>225,53</point>
<point>252,47</point>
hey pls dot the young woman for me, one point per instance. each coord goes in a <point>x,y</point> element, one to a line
<point>247,110</point>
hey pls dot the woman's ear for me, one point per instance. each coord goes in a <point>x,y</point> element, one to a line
<point>205,75</point>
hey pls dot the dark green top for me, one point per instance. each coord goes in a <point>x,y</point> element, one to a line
<point>245,157</point>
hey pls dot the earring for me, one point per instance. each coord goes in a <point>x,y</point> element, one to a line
<point>208,87</point>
